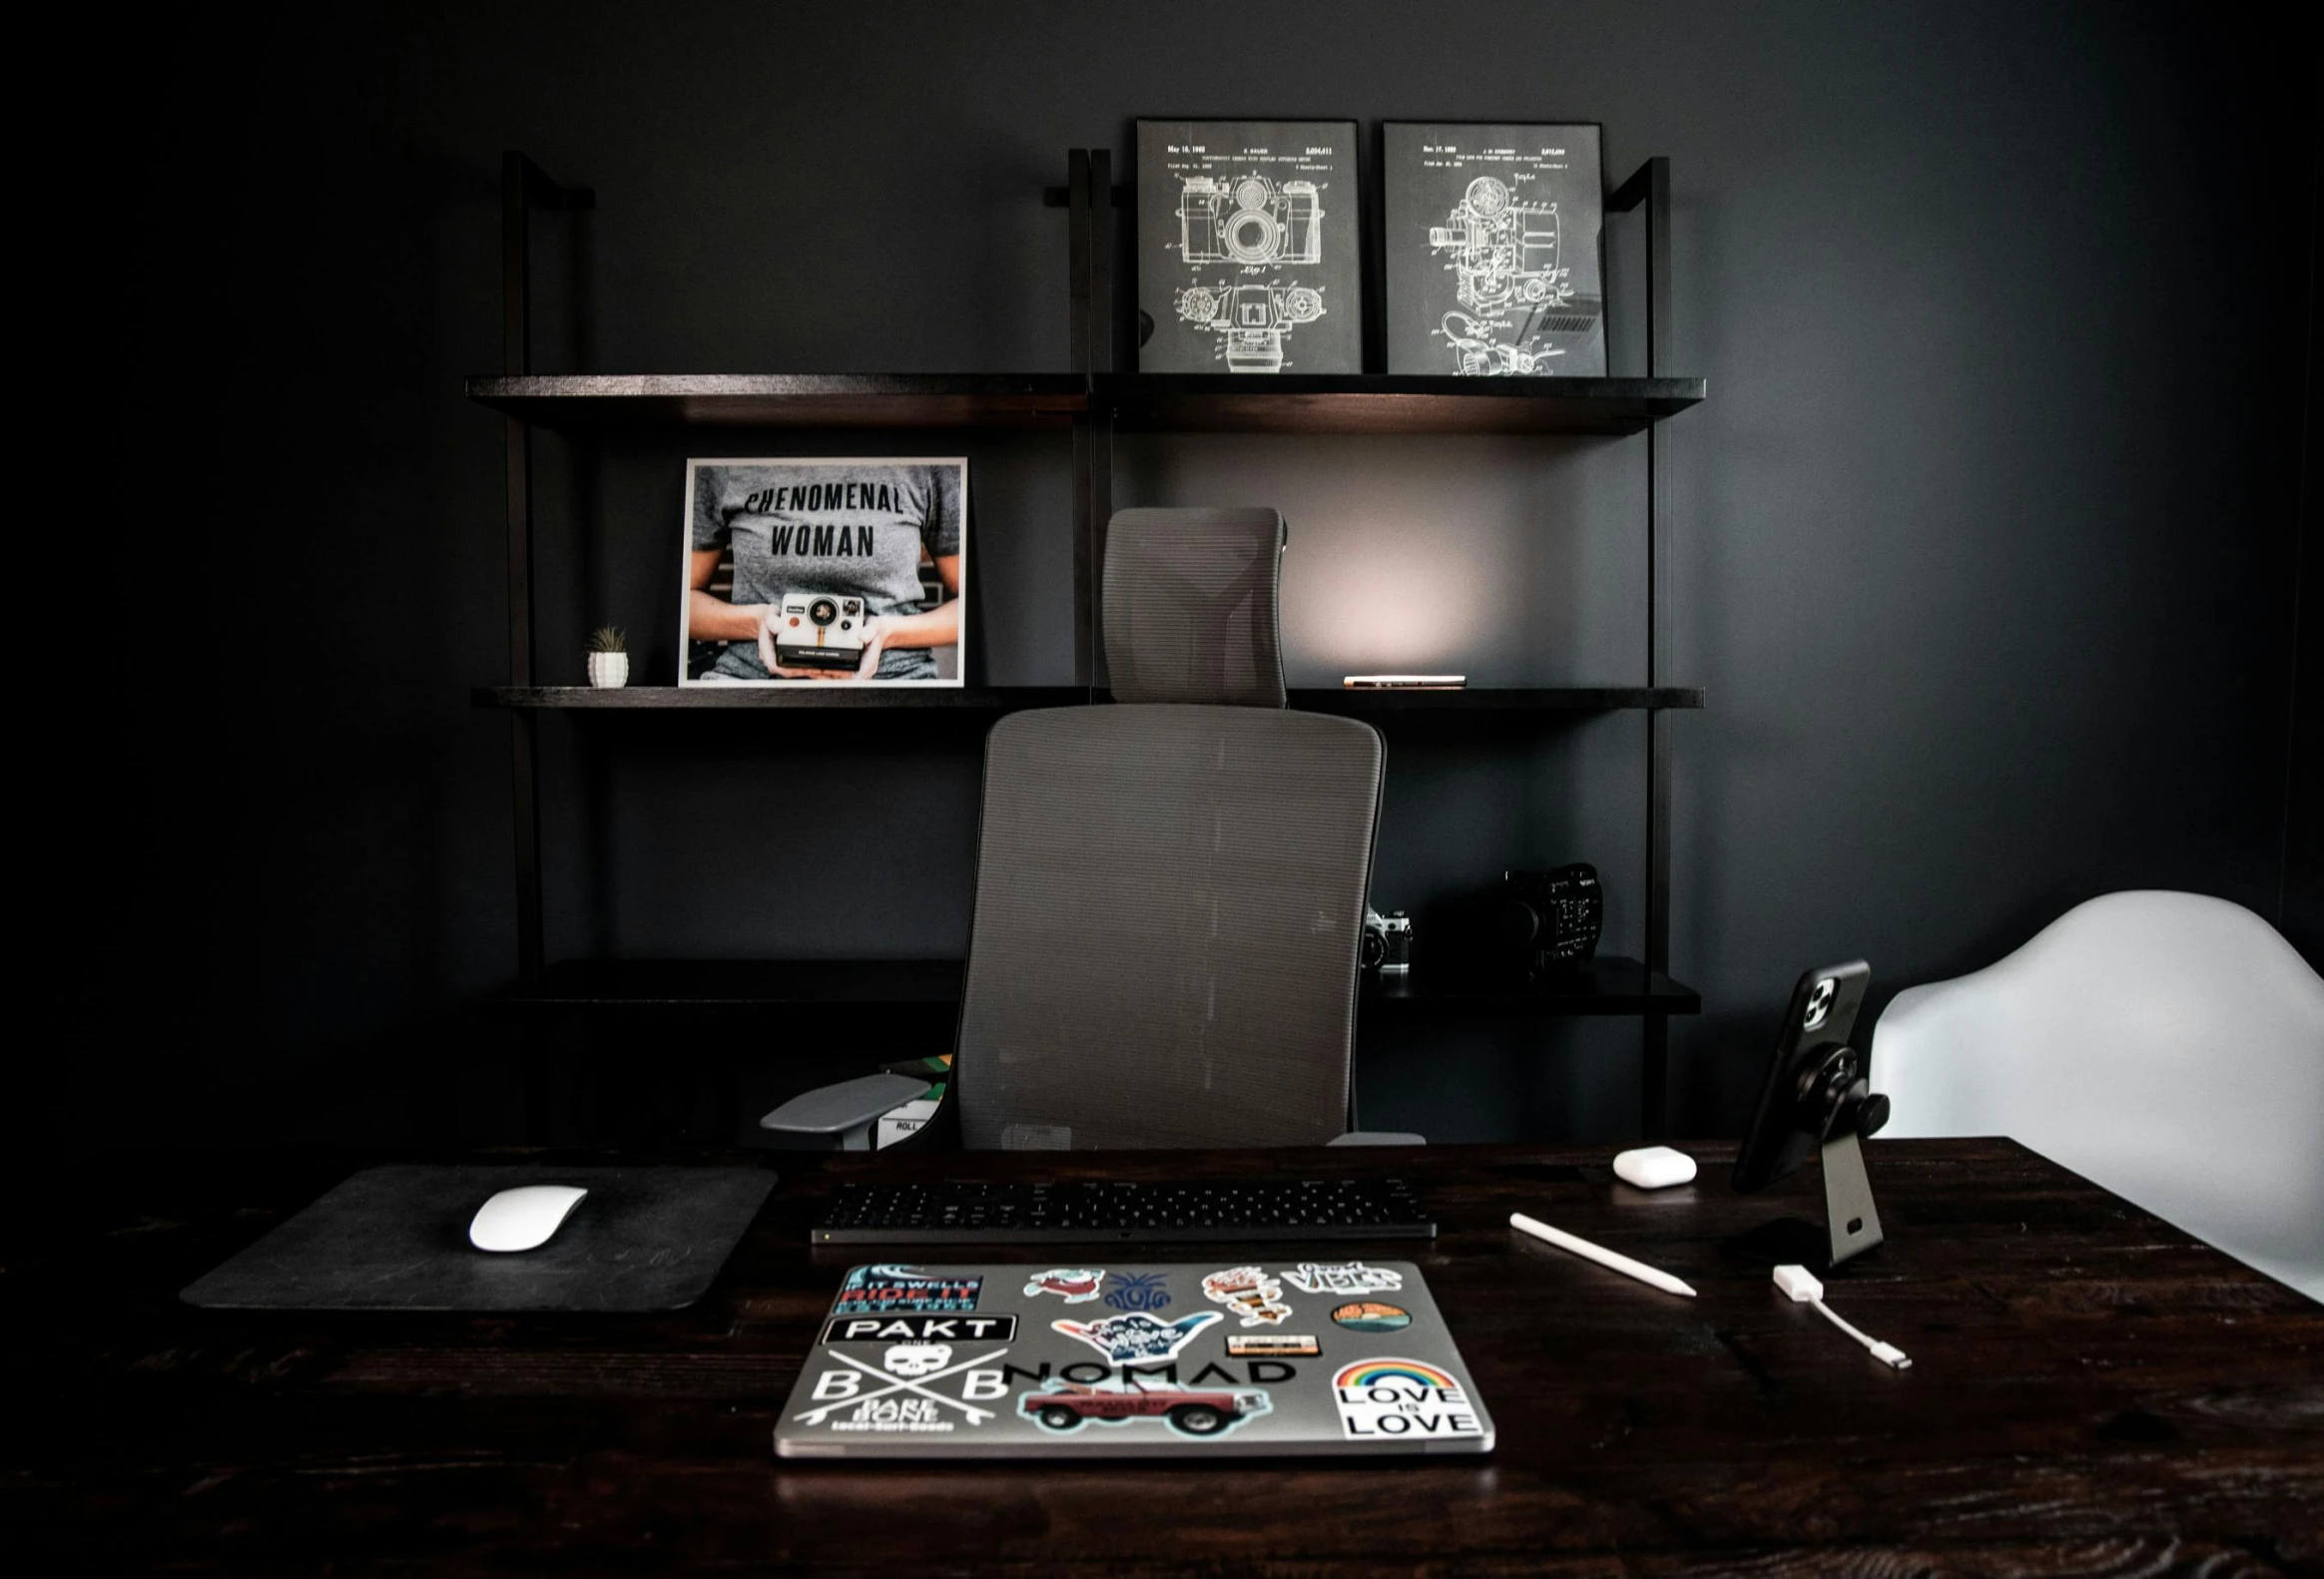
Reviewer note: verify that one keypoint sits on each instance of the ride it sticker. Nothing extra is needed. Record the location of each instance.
(1137, 1291)
(1370, 1315)
(1250, 1292)
(920, 1328)
(1401, 1401)
(913, 1388)
(1065, 1407)
(1272, 1345)
(876, 1290)
(1138, 1337)
(1351, 1277)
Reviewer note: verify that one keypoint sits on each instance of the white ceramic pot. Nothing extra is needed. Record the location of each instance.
(609, 671)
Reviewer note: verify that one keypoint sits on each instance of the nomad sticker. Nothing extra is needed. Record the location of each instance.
(1370, 1315)
(920, 1328)
(1351, 1277)
(1078, 1285)
(906, 1390)
(1248, 1291)
(1064, 1405)
(1272, 1345)
(1137, 1291)
(1401, 1401)
(1138, 1337)
(874, 1290)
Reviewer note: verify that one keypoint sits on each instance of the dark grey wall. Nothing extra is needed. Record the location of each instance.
(1983, 543)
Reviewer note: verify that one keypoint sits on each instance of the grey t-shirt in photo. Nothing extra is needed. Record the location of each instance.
(851, 531)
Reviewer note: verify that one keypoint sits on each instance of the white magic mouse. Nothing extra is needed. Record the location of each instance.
(524, 1217)
(1655, 1168)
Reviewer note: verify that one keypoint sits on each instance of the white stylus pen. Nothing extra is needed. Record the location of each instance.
(1599, 1253)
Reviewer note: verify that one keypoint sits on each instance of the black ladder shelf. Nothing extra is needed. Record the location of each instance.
(1091, 402)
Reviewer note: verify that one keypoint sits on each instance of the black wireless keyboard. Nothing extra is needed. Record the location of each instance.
(1183, 1213)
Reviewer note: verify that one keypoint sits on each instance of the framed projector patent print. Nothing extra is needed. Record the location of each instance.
(1249, 252)
(806, 572)
(1494, 258)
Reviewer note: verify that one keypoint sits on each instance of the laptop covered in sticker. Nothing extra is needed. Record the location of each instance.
(1147, 1359)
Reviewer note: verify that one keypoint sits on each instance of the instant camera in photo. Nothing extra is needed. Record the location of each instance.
(1248, 254)
(1494, 260)
(812, 571)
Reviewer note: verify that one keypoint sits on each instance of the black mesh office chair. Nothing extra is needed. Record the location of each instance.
(1169, 890)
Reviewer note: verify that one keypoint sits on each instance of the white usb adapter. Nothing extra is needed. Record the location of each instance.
(1801, 1285)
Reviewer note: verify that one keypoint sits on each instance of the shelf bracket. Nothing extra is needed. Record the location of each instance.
(1649, 188)
(524, 187)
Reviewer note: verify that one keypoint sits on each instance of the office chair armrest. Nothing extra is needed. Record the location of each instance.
(841, 1117)
(1379, 1138)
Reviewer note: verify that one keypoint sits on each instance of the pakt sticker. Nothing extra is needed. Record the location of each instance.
(1272, 1345)
(1348, 1277)
(1250, 1292)
(1137, 1291)
(1065, 1407)
(1137, 1336)
(874, 1290)
(920, 1328)
(914, 1387)
(1401, 1401)
(1077, 1286)
(1370, 1315)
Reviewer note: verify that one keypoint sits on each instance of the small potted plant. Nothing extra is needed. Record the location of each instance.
(608, 658)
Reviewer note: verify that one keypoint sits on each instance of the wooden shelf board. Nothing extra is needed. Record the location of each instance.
(1495, 699)
(1246, 403)
(820, 697)
(822, 400)
(1184, 402)
(1611, 985)
(1002, 699)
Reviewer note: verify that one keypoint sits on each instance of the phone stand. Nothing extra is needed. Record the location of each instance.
(1839, 1108)
(1851, 1220)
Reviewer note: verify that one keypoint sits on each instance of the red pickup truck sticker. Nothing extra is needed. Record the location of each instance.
(1197, 1412)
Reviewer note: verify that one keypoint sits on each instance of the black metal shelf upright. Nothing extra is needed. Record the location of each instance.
(1094, 402)
(1371, 405)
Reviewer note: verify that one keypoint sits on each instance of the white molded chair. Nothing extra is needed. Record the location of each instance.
(2167, 1046)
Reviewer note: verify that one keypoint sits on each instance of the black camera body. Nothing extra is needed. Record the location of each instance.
(1549, 920)
(1387, 942)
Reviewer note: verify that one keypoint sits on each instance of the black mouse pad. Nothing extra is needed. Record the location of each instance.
(397, 1239)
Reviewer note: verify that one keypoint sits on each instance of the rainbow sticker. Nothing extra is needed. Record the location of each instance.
(1380, 1373)
(1402, 1401)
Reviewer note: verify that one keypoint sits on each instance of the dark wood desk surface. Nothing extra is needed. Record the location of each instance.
(2092, 1393)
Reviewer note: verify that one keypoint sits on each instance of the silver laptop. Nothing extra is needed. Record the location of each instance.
(1133, 1360)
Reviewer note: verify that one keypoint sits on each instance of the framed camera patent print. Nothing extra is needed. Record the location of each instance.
(806, 572)
(1495, 256)
(1249, 252)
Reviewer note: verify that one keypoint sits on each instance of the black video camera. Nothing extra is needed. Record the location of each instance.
(1549, 920)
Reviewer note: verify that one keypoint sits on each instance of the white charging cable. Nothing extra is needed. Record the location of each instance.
(1802, 1286)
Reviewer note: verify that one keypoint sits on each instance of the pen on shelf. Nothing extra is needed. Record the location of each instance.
(1599, 1253)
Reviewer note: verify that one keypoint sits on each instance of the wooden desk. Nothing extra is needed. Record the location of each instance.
(2092, 1393)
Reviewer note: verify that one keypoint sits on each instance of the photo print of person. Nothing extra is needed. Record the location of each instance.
(801, 572)
(1494, 260)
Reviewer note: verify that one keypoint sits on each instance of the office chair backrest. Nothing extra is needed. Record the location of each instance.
(2167, 1046)
(1170, 890)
